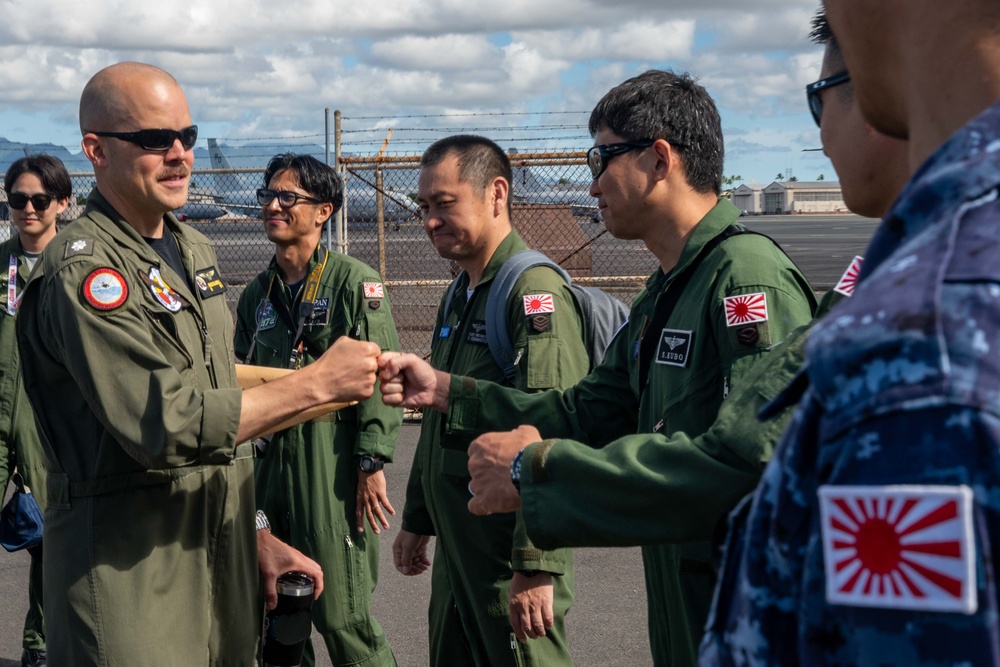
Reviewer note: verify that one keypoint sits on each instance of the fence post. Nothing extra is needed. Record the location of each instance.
(331, 221)
(342, 218)
(380, 217)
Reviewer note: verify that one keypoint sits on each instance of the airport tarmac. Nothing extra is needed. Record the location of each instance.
(607, 624)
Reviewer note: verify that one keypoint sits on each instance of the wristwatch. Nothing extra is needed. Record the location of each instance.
(368, 463)
(262, 522)
(515, 470)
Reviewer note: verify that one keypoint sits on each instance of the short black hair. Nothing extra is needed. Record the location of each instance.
(661, 104)
(320, 180)
(49, 170)
(479, 160)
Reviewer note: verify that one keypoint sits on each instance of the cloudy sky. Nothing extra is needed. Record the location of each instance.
(525, 72)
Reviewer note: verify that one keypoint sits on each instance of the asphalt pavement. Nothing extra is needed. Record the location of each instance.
(606, 626)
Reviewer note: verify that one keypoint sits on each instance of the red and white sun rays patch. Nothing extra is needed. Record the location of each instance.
(850, 278)
(538, 303)
(374, 291)
(899, 547)
(745, 308)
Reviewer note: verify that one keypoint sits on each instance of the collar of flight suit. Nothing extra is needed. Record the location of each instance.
(511, 244)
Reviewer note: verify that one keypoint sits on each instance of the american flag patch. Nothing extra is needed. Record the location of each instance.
(538, 303)
(899, 547)
(850, 278)
(745, 308)
(374, 291)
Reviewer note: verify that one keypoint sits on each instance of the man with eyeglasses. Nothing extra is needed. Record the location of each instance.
(323, 479)
(691, 336)
(872, 536)
(125, 340)
(38, 190)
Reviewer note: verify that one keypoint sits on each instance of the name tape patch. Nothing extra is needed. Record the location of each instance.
(674, 348)
(899, 547)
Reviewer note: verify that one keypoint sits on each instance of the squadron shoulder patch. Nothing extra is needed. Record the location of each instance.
(850, 278)
(164, 294)
(78, 247)
(104, 289)
(899, 547)
(374, 290)
(538, 303)
(265, 316)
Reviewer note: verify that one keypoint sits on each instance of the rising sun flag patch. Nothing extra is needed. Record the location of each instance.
(899, 547)
(850, 278)
(745, 308)
(538, 303)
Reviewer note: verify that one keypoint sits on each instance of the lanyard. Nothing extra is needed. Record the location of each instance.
(12, 297)
(306, 306)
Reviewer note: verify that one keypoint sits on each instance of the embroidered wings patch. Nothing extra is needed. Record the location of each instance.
(899, 547)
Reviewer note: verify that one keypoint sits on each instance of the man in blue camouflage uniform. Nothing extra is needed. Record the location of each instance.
(869, 538)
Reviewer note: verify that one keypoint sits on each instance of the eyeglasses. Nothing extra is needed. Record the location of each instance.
(157, 140)
(286, 198)
(813, 93)
(18, 200)
(599, 156)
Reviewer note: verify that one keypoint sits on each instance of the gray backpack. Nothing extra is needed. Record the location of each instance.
(603, 314)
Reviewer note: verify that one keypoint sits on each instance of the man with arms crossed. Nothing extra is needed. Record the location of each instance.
(464, 194)
(320, 480)
(128, 364)
(657, 170)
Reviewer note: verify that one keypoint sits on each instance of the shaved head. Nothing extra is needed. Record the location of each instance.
(108, 99)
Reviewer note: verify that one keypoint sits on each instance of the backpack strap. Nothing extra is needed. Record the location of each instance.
(668, 301)
(497, 331)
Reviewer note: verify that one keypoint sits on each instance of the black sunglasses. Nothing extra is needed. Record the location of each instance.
(286, 198)
(813, 93)
(18, 200)
(157, 140)
(599, 156)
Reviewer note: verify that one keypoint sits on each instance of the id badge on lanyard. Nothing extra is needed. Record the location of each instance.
(12, 297)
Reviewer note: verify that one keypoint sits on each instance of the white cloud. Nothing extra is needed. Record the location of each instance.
(633, 40)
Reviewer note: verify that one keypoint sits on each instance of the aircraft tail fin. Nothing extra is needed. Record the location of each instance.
(223, 182)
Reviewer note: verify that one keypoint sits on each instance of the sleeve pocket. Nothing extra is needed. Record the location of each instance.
(541, 357)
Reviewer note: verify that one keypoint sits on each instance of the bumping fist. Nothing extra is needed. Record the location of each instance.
(348, 369)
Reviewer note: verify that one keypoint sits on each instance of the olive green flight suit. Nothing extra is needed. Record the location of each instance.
(698, 358)
(17, 431)
(474, 557)
(307, 482)
(149, 529)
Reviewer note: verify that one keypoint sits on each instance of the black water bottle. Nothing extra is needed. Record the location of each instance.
(289, 624)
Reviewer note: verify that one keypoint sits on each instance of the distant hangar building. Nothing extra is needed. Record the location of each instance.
(790, 197)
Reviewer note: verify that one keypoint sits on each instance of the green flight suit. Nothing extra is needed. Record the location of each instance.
(475, 557)
(698, 358)
(149, 528)
(17, 430)
(667, 499)
(307, 481)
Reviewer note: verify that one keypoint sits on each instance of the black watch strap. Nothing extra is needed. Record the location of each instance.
(368, 463)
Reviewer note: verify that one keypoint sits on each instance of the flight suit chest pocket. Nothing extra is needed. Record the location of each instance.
(170, 338)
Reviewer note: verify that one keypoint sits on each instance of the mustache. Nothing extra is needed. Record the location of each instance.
(171, 173)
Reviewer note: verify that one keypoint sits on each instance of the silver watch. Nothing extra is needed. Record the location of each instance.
(262, 522)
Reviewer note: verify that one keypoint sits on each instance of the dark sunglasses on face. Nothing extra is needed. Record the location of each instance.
(286, 198)
(813, 93)
(598, 157)
(18, 201)
(157, 140)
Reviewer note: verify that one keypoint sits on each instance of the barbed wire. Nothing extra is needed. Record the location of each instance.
(466, 115)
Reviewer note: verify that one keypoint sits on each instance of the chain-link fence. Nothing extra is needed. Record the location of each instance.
(552, 211)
